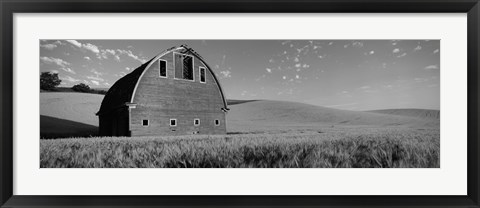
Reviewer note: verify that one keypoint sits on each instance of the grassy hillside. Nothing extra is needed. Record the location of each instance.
(278, 114)
(69, 114)
(418, 113)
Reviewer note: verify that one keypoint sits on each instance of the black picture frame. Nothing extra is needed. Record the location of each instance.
(10, 7)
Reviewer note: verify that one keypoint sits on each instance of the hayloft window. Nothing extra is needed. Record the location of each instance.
(162, 68)
(173, 122)
(217, 122)
(202, 75)
(196, 122)
(144, 122)
(183, 66)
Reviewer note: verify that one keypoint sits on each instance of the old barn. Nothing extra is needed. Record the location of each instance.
(174, 93)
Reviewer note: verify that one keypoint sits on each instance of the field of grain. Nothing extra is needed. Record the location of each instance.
(261, 134)
(362, 148)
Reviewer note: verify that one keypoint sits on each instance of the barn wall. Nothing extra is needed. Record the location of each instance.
(161, 99)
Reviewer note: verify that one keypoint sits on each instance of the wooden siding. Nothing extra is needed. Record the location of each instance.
(160, 99)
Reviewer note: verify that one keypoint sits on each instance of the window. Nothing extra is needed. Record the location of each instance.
(183, 66)
(173, 122)
(217, 122)
(162, 68)
(144, 122)
(196, 122)
(202, 75)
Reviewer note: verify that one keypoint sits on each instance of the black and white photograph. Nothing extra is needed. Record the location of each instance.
(221, 103)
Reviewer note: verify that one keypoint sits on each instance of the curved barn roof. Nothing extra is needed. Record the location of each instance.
(123, 91)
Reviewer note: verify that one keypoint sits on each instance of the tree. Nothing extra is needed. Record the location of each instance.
(81, 88)
(48, 80)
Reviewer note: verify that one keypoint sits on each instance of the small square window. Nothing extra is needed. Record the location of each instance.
(196, 122)
(217, 122)
(173, 122)
(145, 122)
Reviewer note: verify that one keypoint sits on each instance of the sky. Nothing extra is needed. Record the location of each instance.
(344, 74)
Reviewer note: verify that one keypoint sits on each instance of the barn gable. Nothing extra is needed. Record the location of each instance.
(123, 91)
(184, 50)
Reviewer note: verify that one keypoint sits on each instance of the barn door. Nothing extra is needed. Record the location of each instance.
(122, 126)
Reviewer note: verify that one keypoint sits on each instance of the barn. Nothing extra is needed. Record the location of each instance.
(174, 93)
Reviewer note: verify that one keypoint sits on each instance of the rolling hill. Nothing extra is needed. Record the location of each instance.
(283, 113)
(73, 114)
(68, 114)
(418, 113)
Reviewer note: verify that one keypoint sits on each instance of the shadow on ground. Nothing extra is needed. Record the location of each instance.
(51, 128)
(235, 102)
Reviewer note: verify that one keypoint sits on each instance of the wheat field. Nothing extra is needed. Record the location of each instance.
(359, 148)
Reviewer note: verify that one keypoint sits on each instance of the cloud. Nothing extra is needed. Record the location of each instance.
(85, 46)
(49, 46)
(365, 87)
(56, 61)
(128, 68)
(417, 48)
(284, 77)
(95, 82)
(130, 54)
(95, 78)
(371, 52)
(431, 67)
(104, 54)
(296, 59)
(75, 43)
(226, 74)
(54, 71)
(402, 55)
(269, 70)
(69, 70)
(91, 47)
(96, 72)
(357, 44)
(298, 65)
(436, 51)
(396, 50)
(59, 62)
(69, 79)
(87, 58)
